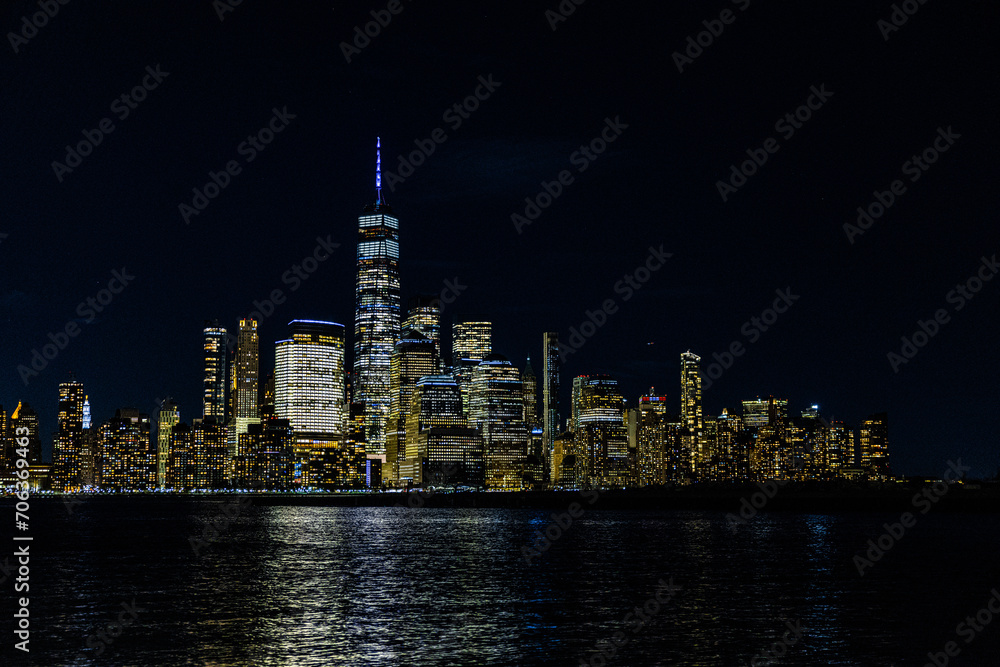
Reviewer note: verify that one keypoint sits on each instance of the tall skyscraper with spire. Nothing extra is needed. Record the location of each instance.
(377, 311)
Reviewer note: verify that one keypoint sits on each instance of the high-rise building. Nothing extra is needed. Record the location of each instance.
(69, 443)
(649, 434)
(496, 408)
(530, 384)
(377, 310)
(128, 461)
(471, 342)
(214, 394)
(424, 317)
(168, 416)
(691, 408)
(309, 387)
(873, 445)
(550, 397)
(246, 376)
(574, 402)
(266, 463)
(25, 417)
(441, 448)
(7, 458)
(601, 435)
(414, 357)
(181, 468)
(213, 465)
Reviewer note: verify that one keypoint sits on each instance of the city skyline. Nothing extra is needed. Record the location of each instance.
(783, 230)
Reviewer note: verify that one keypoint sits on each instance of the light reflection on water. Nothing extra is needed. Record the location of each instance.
(398, 586)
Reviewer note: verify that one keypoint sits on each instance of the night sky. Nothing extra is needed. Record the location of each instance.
(655, 184)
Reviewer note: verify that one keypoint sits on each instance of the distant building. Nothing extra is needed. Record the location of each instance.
(496, 408)
(168, 416)
(67, 461)
(873, 445)
(214, 393)
(415, 356)
(551, 363)
(128, 462)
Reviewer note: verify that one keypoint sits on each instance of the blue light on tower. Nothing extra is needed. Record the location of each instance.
(86, 413)
(378, 167)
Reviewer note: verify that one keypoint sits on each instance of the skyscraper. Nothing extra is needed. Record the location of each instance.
(530, 384)
(691, 410)
(550, 396)
(601, 436)
(471, 342)
(377, 310)
(873, 444)
(69, 444)
(496, 408)
(309, 387)
(424, 317)
(129, 462)
(441, 448)
(24, 416)
(214, 402)
(168, 416)
(414, 357)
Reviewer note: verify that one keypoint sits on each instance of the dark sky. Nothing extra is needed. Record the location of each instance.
(655, 184)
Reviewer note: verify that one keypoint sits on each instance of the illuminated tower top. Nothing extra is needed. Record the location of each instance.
(378, 171)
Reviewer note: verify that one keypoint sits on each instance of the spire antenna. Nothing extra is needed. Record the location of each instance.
(378, 170)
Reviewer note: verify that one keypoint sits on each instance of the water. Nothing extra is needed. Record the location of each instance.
(397, 586)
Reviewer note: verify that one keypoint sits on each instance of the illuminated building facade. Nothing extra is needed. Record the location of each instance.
(309, 385)
(377, 311)
(69, 443)
(424, 317)
(601, 436)
(441, 448)
(550, 396)
(691, 408)
(127, 460)
(168, 417)
(25, 417)
(214, 393)
(496, 408)
(414, 357)
(873, 445)
(471, 342)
